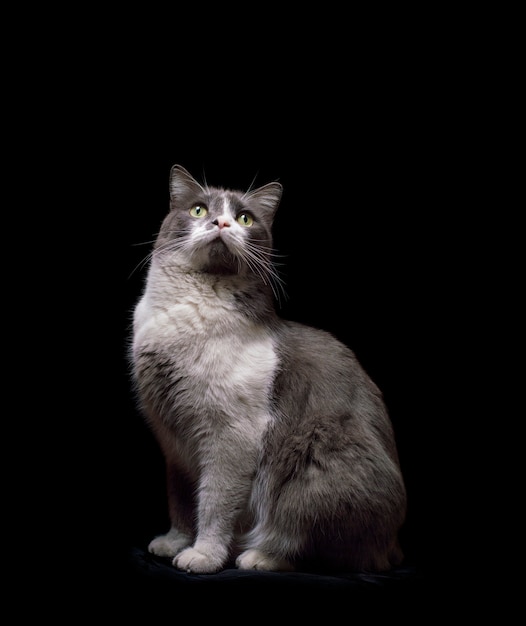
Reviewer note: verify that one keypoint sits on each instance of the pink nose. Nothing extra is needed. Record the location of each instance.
(222, 222)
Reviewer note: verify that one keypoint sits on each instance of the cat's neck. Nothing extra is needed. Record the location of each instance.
(173, 285)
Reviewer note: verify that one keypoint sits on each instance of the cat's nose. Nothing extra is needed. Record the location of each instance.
(221, 222)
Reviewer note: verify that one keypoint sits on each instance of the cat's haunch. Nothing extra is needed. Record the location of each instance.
(279, 450)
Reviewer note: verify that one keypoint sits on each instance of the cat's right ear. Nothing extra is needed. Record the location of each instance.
(268, 197)
(182, 183)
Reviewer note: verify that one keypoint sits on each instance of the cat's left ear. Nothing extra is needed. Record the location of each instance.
(267, 197)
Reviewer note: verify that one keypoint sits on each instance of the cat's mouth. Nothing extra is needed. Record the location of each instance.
(218, 246)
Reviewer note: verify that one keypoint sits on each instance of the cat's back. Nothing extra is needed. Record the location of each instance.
(320, 377)
(315, 351)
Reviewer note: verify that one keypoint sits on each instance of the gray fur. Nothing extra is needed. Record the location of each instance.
(279, 450)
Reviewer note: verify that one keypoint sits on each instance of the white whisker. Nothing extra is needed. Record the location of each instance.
(259, 261)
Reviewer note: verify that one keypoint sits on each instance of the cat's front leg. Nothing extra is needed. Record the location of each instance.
(170, 544)
(257, 559)
(204, 557)
(180, 534)
(217, 516)
(223, 495)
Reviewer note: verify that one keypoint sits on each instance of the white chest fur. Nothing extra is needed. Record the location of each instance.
(227, 361)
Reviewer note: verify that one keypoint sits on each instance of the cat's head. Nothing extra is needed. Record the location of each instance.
(218, 230)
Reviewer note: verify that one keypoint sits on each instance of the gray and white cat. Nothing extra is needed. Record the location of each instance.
(279, 451)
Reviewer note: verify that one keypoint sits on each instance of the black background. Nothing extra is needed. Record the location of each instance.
(387, 131)
(360, 227)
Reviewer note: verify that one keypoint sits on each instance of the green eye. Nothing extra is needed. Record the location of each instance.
(198, 210)
(245, 219)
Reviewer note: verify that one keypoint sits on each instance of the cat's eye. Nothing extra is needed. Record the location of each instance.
(198, 210)
(245, 219)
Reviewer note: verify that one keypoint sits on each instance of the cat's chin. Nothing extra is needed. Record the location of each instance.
(220, 259)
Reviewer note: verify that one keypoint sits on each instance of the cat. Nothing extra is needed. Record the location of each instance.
(280, 454)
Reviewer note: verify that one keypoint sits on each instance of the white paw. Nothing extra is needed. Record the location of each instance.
(255, 559)
(169, 545)
(195, 562)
